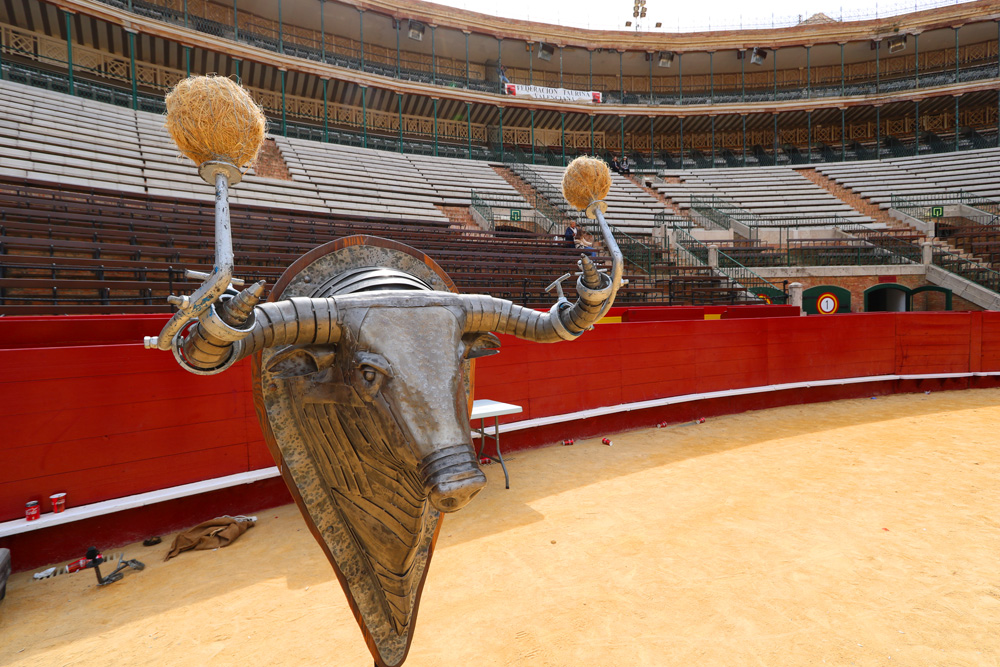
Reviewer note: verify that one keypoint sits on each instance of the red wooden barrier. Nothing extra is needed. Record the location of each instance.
(91, 413)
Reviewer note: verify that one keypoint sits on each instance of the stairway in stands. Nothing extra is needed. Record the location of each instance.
(676, 277)
(895, 228)
(666, 201)
(459, 216)
(270, 163)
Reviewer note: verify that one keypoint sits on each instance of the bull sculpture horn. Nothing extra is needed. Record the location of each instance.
(210, 347)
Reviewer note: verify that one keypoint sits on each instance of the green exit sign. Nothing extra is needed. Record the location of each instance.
(937, 211)
(515, 214)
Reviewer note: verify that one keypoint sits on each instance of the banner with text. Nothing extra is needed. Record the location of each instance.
(561, 94)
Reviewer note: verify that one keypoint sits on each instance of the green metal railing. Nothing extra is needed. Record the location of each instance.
(662, 219)
(723, 214)
(972, 271)
(922, 206)
(898, 250)
(735, 272)
(479, 205)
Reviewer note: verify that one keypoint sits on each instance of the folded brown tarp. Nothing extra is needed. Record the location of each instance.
(219, 532)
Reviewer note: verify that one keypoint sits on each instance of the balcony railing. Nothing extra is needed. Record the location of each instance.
(305, 44)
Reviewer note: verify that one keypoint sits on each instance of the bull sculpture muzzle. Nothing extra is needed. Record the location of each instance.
(360, 358)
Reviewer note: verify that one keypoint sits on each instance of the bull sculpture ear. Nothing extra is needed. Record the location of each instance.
(300, 360)
(480, 345)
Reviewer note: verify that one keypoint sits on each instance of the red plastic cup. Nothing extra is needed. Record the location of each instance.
(32, 510)
(58, 502)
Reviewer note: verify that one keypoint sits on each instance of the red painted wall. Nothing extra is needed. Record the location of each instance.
(90, 412)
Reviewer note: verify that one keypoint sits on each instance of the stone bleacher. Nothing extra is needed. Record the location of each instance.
(974, 172)
(131, 151)
(630, 208)
(778, 195)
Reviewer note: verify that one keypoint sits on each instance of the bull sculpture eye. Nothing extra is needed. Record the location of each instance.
(371, 371)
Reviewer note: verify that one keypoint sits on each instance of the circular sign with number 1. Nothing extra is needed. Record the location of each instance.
(827, 303)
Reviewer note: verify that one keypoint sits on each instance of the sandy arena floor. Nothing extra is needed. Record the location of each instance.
(860, 532)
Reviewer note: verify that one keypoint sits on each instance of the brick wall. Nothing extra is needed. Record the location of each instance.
(856, 285)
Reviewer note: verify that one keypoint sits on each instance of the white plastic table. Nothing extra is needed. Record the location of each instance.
(482, 410)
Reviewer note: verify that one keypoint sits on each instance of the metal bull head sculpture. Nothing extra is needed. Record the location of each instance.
(360, 362)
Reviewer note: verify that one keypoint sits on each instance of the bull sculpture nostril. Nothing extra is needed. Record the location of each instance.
(452, 477)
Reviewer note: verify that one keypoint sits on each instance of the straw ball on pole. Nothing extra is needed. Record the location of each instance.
(586, 183)
(212, 118)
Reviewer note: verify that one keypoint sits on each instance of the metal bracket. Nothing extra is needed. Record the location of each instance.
(557, 286)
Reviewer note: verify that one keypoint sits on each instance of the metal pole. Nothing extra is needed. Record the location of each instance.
(562, 120)
(364, 116)
(468, 125)
(743, 76)
(590, 70)
(956, 53)
(435, 127)
(652, 150)
(711, 75)
(680, 84)
(502, 154)
(397, 49)
(878, 132)
(185, 13)
(774, 73)
(843, 135)
(560, 67)
(187, 60)
(809, 136)
(131, 55)
(399, 101)
(916, 59)
(878, 66)
(1, 63)
(744, 140)
(433, 54)
(236, 62)
(682, 142)
(621, 78)
(531, 68)
(236, 22)
(713, 142)
(621, 124)
(916, 127)
(284, 113)
(326, 115)
(322, 31)
(361, 35)
(69, 51)
(281, 31)
(532, 136)
(774, 138)
(651, 56)
(808, 72)
(841, 69)
(593, 146)
(956, 120)
(466, 58)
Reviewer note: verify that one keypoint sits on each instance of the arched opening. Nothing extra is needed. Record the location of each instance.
(930, 297)
(890, 298)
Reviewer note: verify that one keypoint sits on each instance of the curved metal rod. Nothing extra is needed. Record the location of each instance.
(193, 306)
(617, 261)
